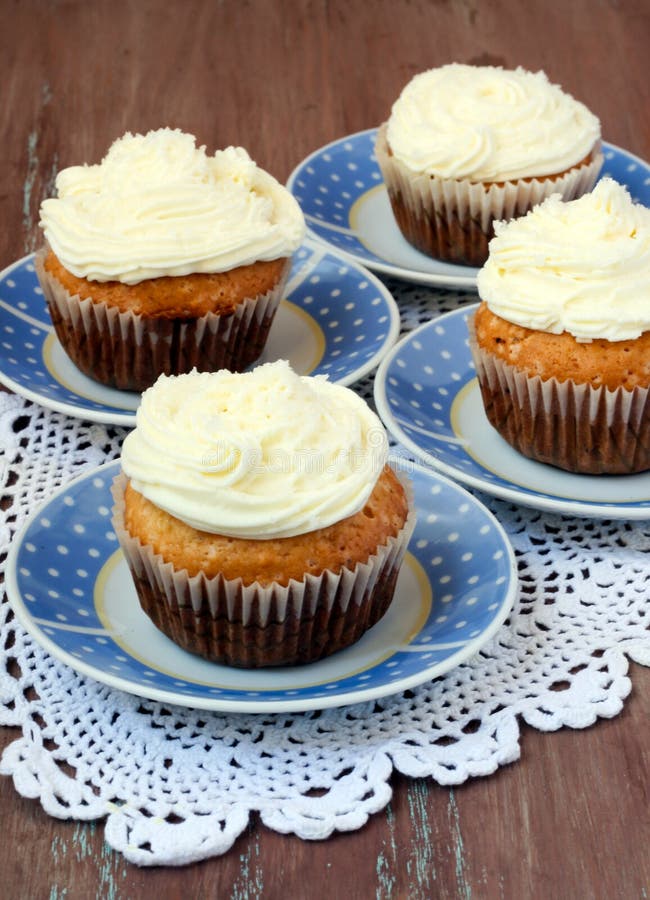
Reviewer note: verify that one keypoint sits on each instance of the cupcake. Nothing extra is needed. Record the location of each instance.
(561, 339)
(257, 513)
(467, 145)
(162, 259)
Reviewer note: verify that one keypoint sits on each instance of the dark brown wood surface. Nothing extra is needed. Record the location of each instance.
(571, 818)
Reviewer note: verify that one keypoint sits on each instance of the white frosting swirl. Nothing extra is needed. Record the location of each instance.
(264, 454)
(581, 266)
(486, 123)
(158, 205)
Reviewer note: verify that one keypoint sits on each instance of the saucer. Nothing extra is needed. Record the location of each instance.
(70, 588)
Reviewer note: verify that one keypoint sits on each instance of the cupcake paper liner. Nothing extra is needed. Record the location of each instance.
(452, 220)
(251, 626)
(129, 351)
(583, 429)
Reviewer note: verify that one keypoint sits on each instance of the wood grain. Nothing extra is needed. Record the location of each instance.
(571, 819)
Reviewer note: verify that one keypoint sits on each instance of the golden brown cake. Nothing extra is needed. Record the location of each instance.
(126, 335)
(561, 341)
(279, 560)
(599, 362)
(181, 296)
(291, 559)
(162, 259)
(467, 145)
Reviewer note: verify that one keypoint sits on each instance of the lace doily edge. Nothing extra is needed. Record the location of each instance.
(149, 841)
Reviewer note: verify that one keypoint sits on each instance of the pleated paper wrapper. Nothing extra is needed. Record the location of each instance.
(583, 429)
(129, 351)
(252, 626)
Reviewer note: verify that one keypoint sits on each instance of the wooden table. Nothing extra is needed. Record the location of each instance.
(571, 819)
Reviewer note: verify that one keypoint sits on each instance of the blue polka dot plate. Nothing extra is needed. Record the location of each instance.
(427, 395)
(69, 586)
(336, 319)
(343, 197)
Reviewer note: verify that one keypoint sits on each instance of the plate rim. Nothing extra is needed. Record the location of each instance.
(121, 418)
(257, 705)
(413, 275)
(534, 500)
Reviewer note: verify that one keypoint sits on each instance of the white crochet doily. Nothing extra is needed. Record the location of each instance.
(176, 785)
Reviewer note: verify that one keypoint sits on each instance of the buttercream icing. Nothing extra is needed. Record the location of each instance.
(581, 266)
(159, 205)
(264, 454)
(485, 123)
